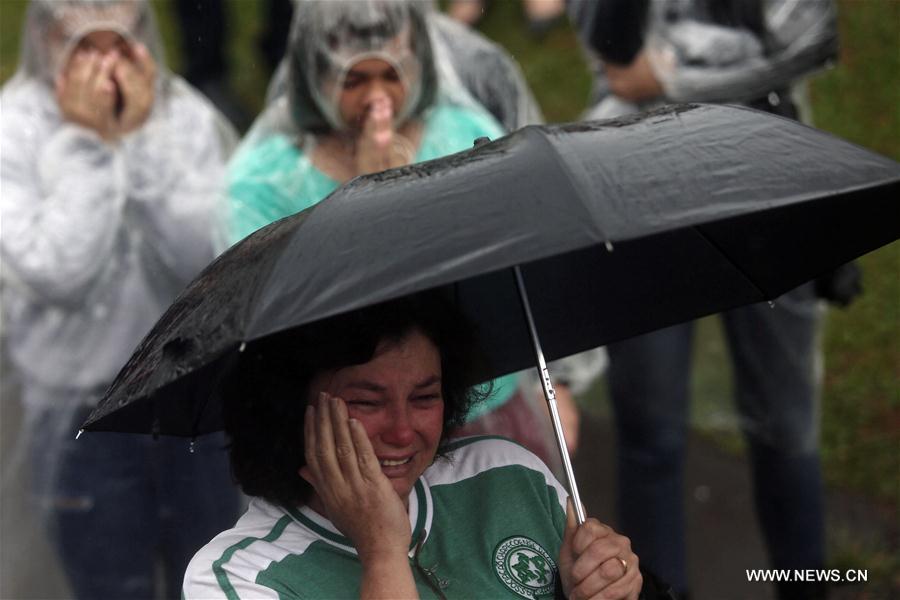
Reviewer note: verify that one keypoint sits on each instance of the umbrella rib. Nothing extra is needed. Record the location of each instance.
(264, 278)
(230, 359)
(196, 424)
(573, 181)
(736, 266)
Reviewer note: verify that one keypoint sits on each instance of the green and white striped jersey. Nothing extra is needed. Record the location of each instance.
(487, 522)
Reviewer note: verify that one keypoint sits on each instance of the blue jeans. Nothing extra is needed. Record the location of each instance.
(773, 351)
(118, 505)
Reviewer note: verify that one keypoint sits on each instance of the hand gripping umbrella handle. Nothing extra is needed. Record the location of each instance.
(550, 396)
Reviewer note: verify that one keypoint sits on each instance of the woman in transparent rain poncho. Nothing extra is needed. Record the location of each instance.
(363, 88)
(756, 53)
(111, 168)
(367, 86)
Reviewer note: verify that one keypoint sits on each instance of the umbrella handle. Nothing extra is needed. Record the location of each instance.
(550, 396)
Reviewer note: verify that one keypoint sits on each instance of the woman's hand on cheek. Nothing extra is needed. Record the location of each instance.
(359, 499)
(597, 562)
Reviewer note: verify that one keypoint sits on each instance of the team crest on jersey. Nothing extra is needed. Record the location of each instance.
(525, 567)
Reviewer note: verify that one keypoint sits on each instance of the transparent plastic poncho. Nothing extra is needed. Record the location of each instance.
(97, 237)
(698, 60)
(457, 83)
(695, 59)
(464, 59)
(302, 103)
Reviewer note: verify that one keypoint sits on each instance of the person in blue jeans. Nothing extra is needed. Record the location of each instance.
(119, 505)
(754, 53)
(110, 171)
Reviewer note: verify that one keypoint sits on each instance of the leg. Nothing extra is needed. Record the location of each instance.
(198, 500)
(776, 362)
(101, 513)
(273, 40)
(648, 382)
(203, 33)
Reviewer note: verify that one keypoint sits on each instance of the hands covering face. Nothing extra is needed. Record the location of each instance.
(379, 146)
(597, 562)
(357, 496)
(110, 93)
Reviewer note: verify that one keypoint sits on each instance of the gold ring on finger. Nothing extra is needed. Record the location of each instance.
(624, 564)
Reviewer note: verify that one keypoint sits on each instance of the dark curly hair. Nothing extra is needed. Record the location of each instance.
(265, 396)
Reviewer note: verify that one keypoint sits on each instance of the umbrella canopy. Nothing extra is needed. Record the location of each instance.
(620, 227)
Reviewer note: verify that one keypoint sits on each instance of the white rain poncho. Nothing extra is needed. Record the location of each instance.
(695, 59)
(477, 64)
(97, 238)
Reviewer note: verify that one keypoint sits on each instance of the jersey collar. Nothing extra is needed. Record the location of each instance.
(420, 518)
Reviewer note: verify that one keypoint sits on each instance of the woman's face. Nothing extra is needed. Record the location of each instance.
(80, 28)
(103, 42)
(367, 83)
(397, 398)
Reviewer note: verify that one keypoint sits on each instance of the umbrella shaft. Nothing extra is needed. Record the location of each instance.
(550, 396)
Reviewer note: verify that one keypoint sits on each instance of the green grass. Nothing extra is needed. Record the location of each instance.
(554, 67)
(859, 100)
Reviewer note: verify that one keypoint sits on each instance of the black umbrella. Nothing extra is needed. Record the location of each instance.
(617, 227)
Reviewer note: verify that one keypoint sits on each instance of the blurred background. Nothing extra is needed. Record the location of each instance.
(859, 100)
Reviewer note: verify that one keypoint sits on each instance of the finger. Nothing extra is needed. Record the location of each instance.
(78, 65)
(382, 113)
(380, 123)
(309, 438)
(345, 450)
(92, 67)
(144, 61)
(325, 446)
(566, 557)
(378, 116)
(571, 521)
(369, 467)
(92, 90)
(627, 586)
(126, 75)
(590, 587)
(103, 81)
(306, 473)
(80, 74)
(587, 533)
(602, 557)
(137, 90)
